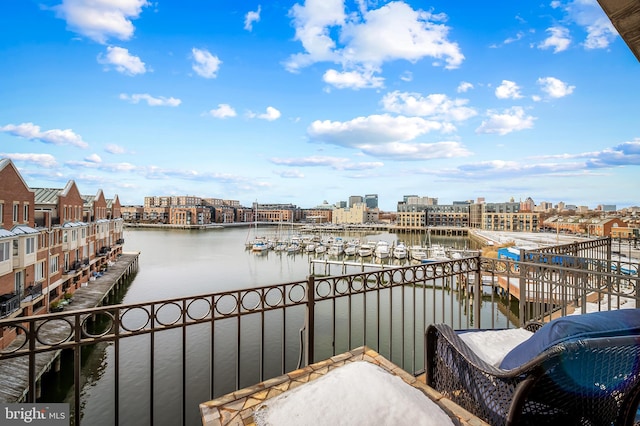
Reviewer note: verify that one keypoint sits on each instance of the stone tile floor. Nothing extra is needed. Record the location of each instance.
(237, 408)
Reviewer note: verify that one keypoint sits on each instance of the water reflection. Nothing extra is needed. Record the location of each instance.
(181, 263)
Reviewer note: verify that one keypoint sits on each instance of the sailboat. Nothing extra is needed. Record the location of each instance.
(257, 243)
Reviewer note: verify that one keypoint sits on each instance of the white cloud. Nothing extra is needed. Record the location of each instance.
(93, 158)
(406, 76)
(590, 16)
(336, 163)
(223, 111)
(205, 64)
(101, 19)
(122, 61)
(464, 87)
(416, 151)
(437, 106)
(270, 115)
(114, 149)
(42, 160)
(554, 87)
(250, 18)
(378, 134)
(396, 31)
(510, 120)
(352, 79)
(290, 174)
(53, 136)
(151, 100)
(508, 90)
(312, 23)
(518, 36)
(367, 39)
(624, 154)
(559, 39)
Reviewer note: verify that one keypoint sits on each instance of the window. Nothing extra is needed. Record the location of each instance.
(53, 264)
(25, 216)
(16, 211)
(40, 271)
(1, 212)
(5, 253)
(19, 283)
(30, 245)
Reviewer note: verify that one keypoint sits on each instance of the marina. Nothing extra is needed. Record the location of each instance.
(259, 316)
(179, 263)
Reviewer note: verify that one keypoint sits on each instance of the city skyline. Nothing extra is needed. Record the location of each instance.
(300, 102)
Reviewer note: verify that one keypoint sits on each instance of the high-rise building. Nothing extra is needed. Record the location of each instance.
(371, 201)
(355, 199)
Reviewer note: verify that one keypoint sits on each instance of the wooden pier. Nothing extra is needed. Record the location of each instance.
(14, 372)
(343, 264)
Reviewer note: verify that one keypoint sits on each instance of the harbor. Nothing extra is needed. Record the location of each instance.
(183, 274)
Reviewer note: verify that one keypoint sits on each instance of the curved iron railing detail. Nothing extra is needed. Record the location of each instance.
(387, 310)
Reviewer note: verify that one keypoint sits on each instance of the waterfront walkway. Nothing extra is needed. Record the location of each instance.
(95, 292)
(14, 372)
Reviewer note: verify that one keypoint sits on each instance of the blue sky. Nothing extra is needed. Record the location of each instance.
(302, 102)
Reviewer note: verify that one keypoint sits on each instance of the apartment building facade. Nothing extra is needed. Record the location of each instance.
(51, 241)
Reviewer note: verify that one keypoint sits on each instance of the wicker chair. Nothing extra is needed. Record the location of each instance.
(584, 381)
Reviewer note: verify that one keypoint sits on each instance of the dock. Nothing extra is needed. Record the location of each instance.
(14, 372)
(343, 264)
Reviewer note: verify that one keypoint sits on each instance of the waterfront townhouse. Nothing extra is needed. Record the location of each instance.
(594, 227)
(18, 244)
(52, 241)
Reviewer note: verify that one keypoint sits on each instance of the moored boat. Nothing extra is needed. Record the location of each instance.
(400, 251)
(418, 253)
(382, 250)
(365, 250)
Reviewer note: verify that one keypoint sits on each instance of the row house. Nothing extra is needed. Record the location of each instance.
(226, 214)
(52, 241)
(594, 227)
(275, 215)
(132, 213)
(189, 215)
(156, 214)
(513, 222)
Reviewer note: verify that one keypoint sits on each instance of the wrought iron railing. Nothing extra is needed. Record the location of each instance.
(32, 292)
(9, 303)
(251, 335)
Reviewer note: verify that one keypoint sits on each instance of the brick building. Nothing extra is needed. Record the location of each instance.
(51, 242)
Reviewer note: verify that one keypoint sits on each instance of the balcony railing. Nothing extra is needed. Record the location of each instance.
(247, 336)
(9, 303)
(32, 292)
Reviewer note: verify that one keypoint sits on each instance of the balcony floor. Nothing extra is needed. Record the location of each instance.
(238, 408)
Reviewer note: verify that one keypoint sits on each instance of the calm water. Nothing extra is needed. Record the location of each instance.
(180, 263)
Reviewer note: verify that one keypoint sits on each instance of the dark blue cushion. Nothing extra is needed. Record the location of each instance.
(597, 324)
